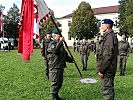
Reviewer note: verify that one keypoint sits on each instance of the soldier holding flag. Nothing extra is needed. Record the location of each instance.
(56, 54)
(57, 57)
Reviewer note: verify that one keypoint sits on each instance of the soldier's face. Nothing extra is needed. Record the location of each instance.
(123, 37)
(57, 37)
(104, 27)
(49, 36)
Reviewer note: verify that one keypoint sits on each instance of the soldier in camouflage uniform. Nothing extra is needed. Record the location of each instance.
(44, 47)
(84, 53)
(78, 45)
(108, 59)
(57, 57)
(124, 48)
(74, 46)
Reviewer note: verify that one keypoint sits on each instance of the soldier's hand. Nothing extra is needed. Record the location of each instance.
(100, 74)
(44, 58)
(41, 46)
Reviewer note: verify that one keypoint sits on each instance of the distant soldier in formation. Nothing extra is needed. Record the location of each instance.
(74, 46)
(124, 48)
(44, 48)
(9, 46)
(57, 57)
(78, 46)
(92, 46)
(84, 52)
(107, 60)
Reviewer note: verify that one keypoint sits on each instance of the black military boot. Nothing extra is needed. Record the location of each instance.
(55, 97)
(83, 69)
(120, 73)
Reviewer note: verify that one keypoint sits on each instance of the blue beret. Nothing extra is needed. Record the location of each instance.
(55, 31)
(107, 21)
(49, 32)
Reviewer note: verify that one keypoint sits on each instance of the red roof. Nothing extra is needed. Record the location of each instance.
(105, 10)
(101, 10)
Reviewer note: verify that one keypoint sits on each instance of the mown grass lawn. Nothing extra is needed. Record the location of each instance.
(21, 80)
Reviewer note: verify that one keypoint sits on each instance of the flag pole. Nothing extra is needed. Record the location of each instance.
(66, 45)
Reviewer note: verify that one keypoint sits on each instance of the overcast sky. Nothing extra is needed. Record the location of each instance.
(62, 7)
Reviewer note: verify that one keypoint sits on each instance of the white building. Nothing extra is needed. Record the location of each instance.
(110, 12)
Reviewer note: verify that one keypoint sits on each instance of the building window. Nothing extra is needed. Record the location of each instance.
(69, 23)
(69, 36)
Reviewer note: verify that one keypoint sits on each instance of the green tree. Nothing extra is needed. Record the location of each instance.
(129, 17)
(122, 17)
(11, 23)
(126, 16)
(84, 23)
(48, 25)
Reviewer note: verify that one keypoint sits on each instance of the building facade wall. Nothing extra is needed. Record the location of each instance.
(65, 28)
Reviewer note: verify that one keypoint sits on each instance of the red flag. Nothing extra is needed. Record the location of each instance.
(0, 22)
(33, 13)
(26, 25)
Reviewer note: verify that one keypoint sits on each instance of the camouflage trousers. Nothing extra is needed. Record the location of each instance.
(122, 64)
(84, 59)
(107, 85)
(56, 78)
(46, 69)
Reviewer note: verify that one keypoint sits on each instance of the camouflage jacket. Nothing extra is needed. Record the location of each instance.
(57, 55)
(85, 48)
(44, 47)
(108, 55)
(123, 48)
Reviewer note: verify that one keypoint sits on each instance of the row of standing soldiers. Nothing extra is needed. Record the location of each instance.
(123, 52)
(84, 48)
(55, 58)
(76, 45)
(106, 52)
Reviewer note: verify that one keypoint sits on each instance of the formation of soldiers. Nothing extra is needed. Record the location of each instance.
(124, 49)
(106, 49)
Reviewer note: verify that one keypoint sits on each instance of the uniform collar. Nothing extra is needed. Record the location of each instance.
(106, 33)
